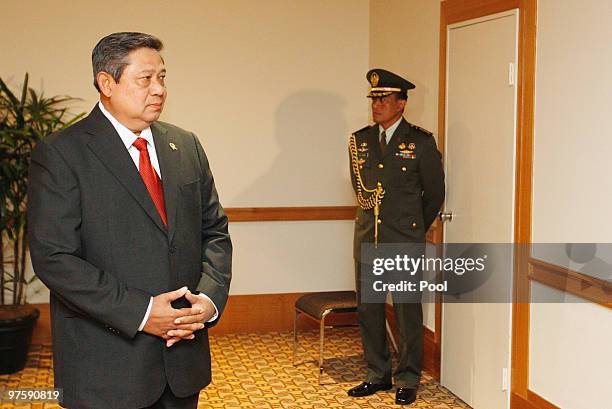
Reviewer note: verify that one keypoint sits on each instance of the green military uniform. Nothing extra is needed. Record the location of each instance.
(411, 174)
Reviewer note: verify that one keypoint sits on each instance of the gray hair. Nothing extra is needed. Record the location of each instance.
(110, 54)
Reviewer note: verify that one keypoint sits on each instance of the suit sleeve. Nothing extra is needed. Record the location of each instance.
(432, 181)
(216, 242)
(54, 228)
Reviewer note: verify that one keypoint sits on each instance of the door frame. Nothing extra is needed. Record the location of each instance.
(456, 11)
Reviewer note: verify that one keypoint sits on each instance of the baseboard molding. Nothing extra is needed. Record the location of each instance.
(533, 401)
(431, 362)
(268, 312)
(539, 401)
(42, 329)
(518, 402)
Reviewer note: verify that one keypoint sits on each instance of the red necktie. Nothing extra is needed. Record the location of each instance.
(150, 178)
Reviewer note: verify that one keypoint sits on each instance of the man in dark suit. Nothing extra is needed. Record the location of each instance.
(126, 230)
(398, 178)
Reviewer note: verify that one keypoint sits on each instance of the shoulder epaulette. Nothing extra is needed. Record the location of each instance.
(418, 128)
(362, 129)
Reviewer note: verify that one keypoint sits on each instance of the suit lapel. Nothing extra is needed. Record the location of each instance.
(169, 160)
(108, 147)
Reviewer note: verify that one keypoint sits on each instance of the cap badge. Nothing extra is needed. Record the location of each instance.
(374, 78)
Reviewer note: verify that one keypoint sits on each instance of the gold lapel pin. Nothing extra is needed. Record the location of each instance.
(172, 146)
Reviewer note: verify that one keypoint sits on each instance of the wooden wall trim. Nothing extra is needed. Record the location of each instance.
(539, 402)
(573, 282)
(533, 401)
(42, 329)
(518, 402)
(523, 194)
(267, 214)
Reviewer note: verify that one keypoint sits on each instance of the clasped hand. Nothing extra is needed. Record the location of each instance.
(174, 325)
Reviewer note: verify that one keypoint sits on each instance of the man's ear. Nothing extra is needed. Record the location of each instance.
(402, 103)
(106, 83)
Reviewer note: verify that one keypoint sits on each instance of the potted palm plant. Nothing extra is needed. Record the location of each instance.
(25, 118)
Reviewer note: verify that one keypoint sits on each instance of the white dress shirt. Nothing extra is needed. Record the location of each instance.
(128, 138)
(389, 131)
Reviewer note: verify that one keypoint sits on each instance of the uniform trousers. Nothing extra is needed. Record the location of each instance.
(372, 325)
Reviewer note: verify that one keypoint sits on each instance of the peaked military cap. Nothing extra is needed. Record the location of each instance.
(385, 82)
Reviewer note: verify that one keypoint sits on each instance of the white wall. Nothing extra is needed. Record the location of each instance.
(570, 357)
(273, 89)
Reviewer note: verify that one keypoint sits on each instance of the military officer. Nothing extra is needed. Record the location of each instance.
(398, 178)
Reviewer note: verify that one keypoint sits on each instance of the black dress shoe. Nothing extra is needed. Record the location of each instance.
(367, 389)
(405, 396)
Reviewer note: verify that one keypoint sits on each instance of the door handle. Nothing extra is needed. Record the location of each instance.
(446, 216)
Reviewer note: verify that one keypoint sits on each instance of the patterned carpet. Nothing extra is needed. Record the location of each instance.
(256, 371)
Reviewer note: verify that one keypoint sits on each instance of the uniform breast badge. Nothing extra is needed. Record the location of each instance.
(406, 153)
(362, 154)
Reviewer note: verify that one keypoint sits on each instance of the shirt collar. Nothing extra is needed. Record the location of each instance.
(127, 137)
(390, 130)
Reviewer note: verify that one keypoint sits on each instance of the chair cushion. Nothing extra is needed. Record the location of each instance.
(316, 303)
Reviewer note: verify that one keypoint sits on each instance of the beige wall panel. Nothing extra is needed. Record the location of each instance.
(404, 38)
(569, 352)
(273, 88)
(569, 345)
(572, 146)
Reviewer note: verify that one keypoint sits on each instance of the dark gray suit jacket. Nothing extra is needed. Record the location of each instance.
(100, 246)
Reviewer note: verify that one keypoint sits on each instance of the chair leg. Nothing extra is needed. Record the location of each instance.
(321, 339)
(295, 335)
(391, 337)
